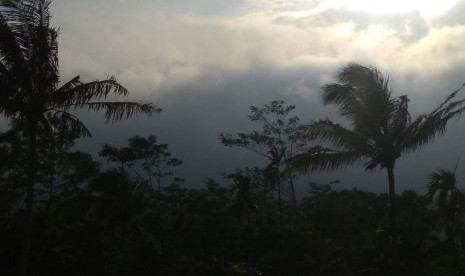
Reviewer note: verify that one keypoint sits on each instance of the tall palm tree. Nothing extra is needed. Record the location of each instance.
(442, 191)
(30, 86)
(381, 127)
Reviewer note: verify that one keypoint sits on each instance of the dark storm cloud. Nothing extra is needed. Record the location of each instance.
(195, 114)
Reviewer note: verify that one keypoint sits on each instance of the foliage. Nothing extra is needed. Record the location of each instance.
(149, 160)
(111, 224)
(381, 129)
(280, 139)
(93, 222)
(60, 169)
(448, 200)
(30, 87)
(249, 193)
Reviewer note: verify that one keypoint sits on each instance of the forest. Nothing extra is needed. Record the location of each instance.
(66, 212)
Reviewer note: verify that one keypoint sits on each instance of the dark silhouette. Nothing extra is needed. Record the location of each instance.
(29, 86)
(443, 193)
(93, 222)
(279, 140)
(147, 159)
(380, 131)
(109, 223)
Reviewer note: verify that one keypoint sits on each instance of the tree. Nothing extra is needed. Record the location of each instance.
(60, 170)
(381, 127)
(248, 192)
(29, 86)
(442, 191)
(145, 154)
(279, 140)
(347, 218)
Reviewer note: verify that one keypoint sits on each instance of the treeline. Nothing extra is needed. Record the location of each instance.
(138, 218)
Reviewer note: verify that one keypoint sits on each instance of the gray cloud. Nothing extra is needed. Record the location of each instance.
(195, 114)
(152, 50)
(206, 64)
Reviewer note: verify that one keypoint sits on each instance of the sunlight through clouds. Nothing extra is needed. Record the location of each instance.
(428, 8)
(277, 5)
(178, 49)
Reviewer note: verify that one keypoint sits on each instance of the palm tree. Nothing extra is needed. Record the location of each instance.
(30, 86)
(381, 127)
(442, 191)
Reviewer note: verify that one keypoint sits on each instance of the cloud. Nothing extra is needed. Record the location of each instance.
(453, 17)
(279, 5)
(206, 67)
(154, 51)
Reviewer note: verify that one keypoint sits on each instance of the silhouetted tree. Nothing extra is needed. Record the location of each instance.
(145, 154)
(249, 192)
(442, 191)
(381, 128)
(349, 219)
(279, 140)
(29, 86)
(60, 170)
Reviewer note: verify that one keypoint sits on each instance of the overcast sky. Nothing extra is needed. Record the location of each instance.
(206, 61)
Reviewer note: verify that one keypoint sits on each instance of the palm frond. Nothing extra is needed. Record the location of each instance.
(355, 74)
(398, 121)
(74, 82)
(75, 92)
(398, 116)
(337, 94)
(23, 17)
(117, 111)
(362, 95)
(10, 49)
(28, 48)
(71, 123)
(427, 127)
(28, 12)
(439, 180)
(449, 98)
(365, 81)
(320, 158)
(443, 192)
(342, 95)
(339, 136)
(43, 61)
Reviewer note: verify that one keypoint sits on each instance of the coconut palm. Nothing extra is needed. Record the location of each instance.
(442, 191)
(30, 85)
(380, 131)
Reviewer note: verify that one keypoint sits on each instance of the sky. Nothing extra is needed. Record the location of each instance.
(205, 62)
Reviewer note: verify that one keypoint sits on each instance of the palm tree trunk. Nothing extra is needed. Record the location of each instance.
(51, 164)
(392, 203)
(31, 171)
(455, 229)
(278, 181)
(294, 200)
(393, 252)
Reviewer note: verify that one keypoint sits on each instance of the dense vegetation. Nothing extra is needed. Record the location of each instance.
(137, 217)
(62, 214)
